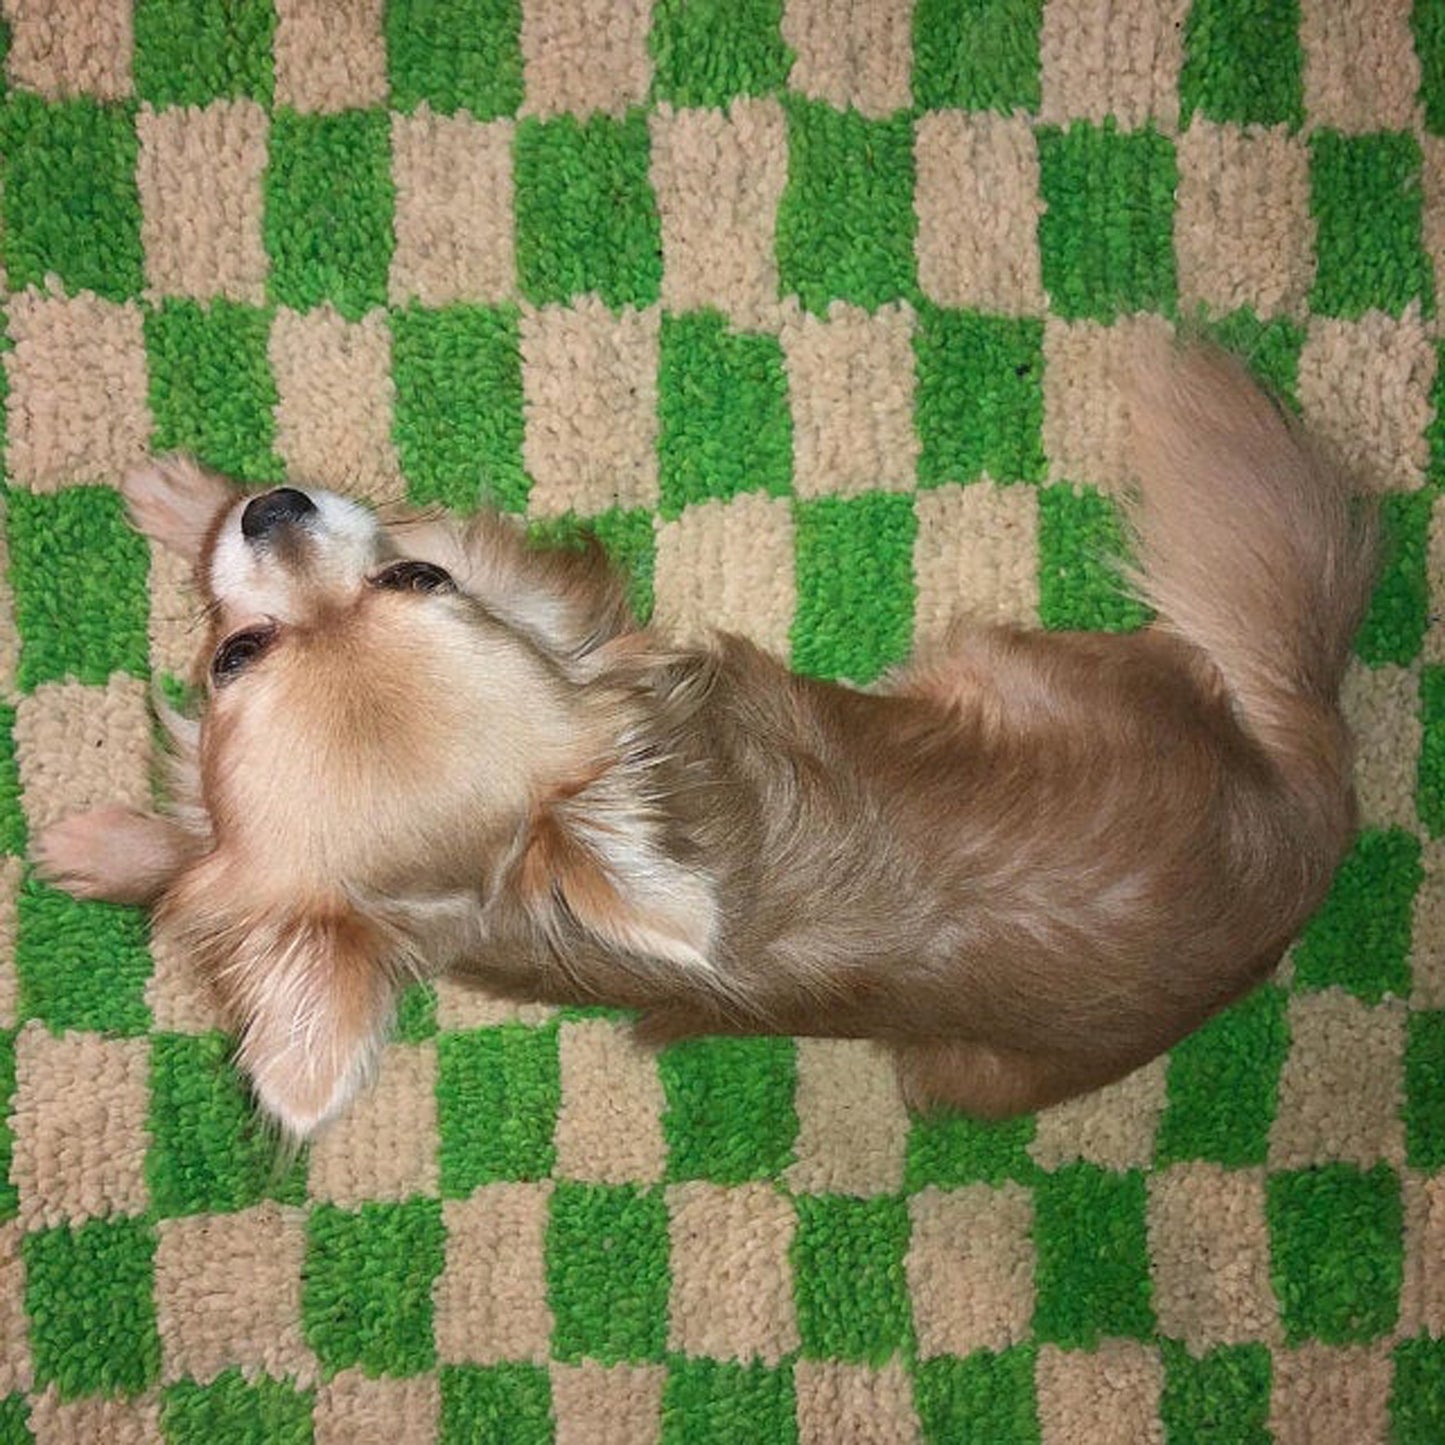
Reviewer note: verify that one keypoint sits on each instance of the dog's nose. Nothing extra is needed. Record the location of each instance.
(275, 509)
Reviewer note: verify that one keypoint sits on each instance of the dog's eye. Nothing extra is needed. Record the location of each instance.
(237, 651)
(412, 576)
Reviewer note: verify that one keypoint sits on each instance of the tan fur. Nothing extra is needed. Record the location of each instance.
(1030, 864)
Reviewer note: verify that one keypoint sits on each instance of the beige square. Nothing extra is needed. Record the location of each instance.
(16, 1371)
(727, 566)
(88, 1420)
(1112, 1127)
(976, 556)
(718, 177)
(1086, 370)
(1364, 386)
(978, 203)
(1432, 221)
(77, 408)
(1322, 1394)
(1108, 1396)
(1243, 231)
(732, 1284)
(353, 1410)
(385, 1145)
(1340, 1089)
(1120, 60)
(463, 1005)
(1427, 956)
(840, 1404)
(850, 386)
(228, 1293)
(330, 54)
(582, 56)
(199, 176)
(178, 997)
(79, 1120)
(1422, 1290)
(852, 1123)
(61, 51)
(1209, 1252)
(1360, 68)
(453, 216)
(609, 1127)
(597, 1405)
(1434, 649)
(856, 53)
(491, 1296)
(11, 871)
(589, 379)
(971, 1268)
(177, 621)
(1383, 706)
(335, 395)
(78, 746)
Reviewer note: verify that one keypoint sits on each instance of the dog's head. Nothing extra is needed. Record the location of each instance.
(408, 733)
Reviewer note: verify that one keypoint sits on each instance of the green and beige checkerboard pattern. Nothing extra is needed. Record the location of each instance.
(814, 309)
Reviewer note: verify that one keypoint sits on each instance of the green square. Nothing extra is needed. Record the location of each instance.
(211, 388)
(329, 198)
(1394, 627)
(12, 815)
(229, 1409)
(80, 575)
(626, 534)
(855, 584)
(82, 965)
(1336, 1252)
(70, 202)
(1222, 1084)
(1271, 349)
(209, 1151)
(977, 54)
(1222, 1395)
(1427, 21)
(723, 416)
(1430, 781)
(367, 1297)
(458, 411)
(949, 1150)
(1106, 238)
(1425, 1090)
(511, 1402)
(586, 216)
(416, 1014)
(455, 55)
(980, 399)
(985, 1396)
(1242, 62)
(846, 223)
(88, 1293)
(189, 52)
(1081, 539)
(497, 1094)
(15, 1409)
(717, 1402)
(1417, 1393)
(1360, 939)
(1366, 198)
(607, 1272)
(849, 1284)
(729, 1114)
(1092, 1277)
(9, 1190)
(706, 52)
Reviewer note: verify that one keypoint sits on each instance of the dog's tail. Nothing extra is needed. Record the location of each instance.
(1251, 548)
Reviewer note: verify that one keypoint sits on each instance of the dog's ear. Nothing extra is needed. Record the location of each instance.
(310, 994)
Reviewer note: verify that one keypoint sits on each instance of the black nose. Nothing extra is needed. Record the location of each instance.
(275, 509)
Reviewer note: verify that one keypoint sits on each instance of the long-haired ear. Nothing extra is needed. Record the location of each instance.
(310, 994)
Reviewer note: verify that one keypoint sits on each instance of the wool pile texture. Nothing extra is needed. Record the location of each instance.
(815, 312)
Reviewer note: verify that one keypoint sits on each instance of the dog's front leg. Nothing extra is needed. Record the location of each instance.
(114, 853)
(175, 501)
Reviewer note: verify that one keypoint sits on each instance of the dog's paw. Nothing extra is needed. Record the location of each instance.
(174, 500)
(111, 852)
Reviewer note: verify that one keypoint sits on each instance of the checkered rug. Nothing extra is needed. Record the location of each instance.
(813, 310)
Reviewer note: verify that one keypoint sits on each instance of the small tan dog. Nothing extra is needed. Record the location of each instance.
(1034, 863)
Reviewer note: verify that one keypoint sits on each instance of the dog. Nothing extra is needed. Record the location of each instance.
(1027, 863)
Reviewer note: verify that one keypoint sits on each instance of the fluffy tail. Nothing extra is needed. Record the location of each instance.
(1250, 548)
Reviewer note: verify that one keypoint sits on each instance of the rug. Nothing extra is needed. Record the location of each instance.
(813, 311)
